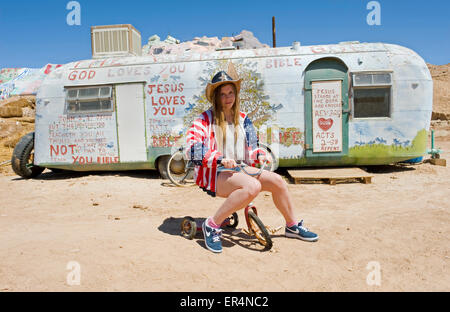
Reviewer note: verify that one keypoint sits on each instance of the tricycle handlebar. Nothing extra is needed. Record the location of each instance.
(241, 166)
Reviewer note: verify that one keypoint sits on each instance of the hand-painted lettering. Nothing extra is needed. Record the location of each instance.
(282, 62)
(81, 75)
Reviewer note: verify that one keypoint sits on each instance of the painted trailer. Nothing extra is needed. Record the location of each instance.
(327, 105)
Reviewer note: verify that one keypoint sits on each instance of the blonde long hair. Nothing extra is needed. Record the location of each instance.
(219, 115)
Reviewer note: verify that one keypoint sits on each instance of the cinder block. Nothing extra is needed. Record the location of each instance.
(438, 162)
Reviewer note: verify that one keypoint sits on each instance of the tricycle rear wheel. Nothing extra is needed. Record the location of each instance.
(188, 227)
(234, 221)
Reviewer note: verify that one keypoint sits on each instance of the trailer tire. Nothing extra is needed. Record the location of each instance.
(23, 157)
(162, 166)
(56, 170)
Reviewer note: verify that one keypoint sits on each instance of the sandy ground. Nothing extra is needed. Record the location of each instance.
(121, 229)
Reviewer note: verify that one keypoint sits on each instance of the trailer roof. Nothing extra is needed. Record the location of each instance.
(191, 56)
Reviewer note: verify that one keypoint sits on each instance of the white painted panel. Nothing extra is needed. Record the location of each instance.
(131, 122)
(327, 116)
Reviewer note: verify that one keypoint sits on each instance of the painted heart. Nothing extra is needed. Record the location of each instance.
(325, 124)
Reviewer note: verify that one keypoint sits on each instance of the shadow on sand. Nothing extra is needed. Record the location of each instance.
(172, 226)
(68, 174)
(389, 168)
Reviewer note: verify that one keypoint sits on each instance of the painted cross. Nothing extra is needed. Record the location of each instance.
(223, 77)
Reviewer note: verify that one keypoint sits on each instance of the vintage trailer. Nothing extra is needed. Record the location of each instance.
(342, 104)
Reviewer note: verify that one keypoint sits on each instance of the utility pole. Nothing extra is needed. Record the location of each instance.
(273, 32)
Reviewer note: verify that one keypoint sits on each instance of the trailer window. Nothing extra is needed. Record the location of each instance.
(89, 99)
(371, 95)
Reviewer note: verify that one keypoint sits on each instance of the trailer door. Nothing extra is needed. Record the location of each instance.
(326, 111)
(131, 122)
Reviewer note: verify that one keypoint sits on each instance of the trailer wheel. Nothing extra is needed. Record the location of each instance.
(56, 170)
(162, 166)
(22, 160)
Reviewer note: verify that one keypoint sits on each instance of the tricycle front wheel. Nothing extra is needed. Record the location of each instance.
(258, 229)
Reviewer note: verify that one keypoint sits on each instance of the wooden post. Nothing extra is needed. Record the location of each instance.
(273, 32)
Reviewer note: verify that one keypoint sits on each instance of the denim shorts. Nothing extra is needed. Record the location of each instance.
(219, 170)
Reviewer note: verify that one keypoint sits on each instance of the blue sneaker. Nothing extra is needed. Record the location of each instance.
(299, 231)
(212, 238)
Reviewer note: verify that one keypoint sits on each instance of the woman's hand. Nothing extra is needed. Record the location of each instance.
(228, 163)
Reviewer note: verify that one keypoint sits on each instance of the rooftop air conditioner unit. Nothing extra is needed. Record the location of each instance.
(115, 41)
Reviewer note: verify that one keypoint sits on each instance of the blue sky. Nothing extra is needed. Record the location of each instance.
(35, 32)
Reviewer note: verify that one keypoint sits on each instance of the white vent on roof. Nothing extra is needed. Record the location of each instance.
(115, 40)
(349, 42)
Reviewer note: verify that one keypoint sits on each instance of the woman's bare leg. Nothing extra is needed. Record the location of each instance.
(274, 183)
(239, 189)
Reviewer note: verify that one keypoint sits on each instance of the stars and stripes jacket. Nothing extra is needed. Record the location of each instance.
(202, 149)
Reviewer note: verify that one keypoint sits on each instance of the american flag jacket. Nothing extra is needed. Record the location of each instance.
(202, 149)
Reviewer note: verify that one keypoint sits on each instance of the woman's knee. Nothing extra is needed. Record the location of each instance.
(253, 188)
(274, 182)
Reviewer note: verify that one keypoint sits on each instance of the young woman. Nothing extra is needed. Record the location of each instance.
(224, 134)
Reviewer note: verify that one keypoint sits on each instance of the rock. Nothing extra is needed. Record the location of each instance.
(171, 40)
(226, 43)
(249, 41)
(440, 116)
(9, 128)
(19, 101)
(202, 43)
(238, 37)
(141, 207)
(441, 88)
(8, 111)
(245, 40)
(28, 112)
